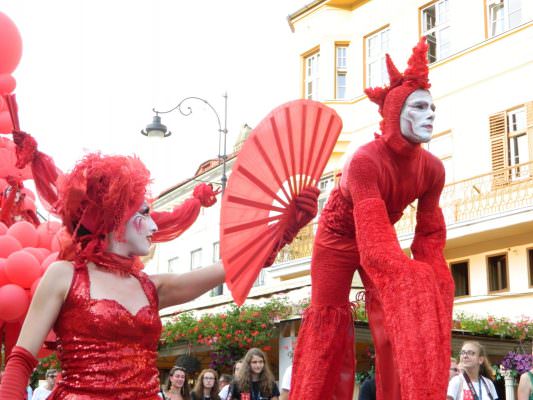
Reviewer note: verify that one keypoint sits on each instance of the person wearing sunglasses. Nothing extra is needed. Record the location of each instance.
(475, 380)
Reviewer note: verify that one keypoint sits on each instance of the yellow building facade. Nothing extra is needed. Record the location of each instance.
(481, 70)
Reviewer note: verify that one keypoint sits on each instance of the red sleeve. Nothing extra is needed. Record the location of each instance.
(430, 234)
(20, 365)
(376, 237)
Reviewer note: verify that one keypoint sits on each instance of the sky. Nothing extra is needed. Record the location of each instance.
(92, 70)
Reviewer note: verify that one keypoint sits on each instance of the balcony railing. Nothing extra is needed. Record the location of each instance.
(482, 196)
(486, 195)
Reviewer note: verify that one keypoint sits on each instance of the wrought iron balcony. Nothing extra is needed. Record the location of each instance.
(486, 195)
(494, 193)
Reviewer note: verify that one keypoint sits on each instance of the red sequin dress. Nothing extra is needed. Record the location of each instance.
(105, 351)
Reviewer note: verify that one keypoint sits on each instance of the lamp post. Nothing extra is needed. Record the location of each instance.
(157, 129)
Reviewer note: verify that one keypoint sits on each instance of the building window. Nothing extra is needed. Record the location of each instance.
(510, 143)
(503, 15)
(173, 264)
(377, 45)
(341, 69)
(326, 184)
(530, 262)
(517, 142)
(436, 29)
(216, 251)
(497, 272)
(441, 146)
(196, 258)
(312, 76)
(460, 277)
(217, 290)
(321, 204)
(260, 281)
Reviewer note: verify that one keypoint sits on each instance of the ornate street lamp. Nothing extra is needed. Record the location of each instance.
(157, 129)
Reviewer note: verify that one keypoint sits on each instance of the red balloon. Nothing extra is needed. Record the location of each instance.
(7, 84)
(39, 254)
(56, 244)
(3, 228)
(29, 205)
(10, 45)
(3, 277)
(6, 126)
(8, 245)
(22, 268)
(13, 302)
(46, 232)
(25, 233)
(49, 260)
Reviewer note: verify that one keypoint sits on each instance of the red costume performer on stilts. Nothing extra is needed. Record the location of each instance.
(409, 301)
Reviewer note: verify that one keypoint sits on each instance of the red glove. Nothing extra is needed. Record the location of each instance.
(301, 211)
(205, 194)
(20, 365)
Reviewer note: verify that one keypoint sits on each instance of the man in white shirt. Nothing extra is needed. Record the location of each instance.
(42, 392)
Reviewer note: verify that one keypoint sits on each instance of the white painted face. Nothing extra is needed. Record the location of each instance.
(416, 118)
(138, 232)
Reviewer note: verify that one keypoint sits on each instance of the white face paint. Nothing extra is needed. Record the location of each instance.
(416, 118)
(137, 235)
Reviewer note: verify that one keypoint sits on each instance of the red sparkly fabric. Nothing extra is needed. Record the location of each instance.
(105, 351)
(409, 301)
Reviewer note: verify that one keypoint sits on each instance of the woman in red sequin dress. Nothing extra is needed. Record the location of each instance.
(101, 305)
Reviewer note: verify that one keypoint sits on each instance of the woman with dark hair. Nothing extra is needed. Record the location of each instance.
(101, 305)
(255, 381)
(206, 387)
(475, 381)
(177, 385)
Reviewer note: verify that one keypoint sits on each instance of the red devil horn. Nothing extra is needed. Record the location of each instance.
(417, 66)
(377, 95)
(395, 77)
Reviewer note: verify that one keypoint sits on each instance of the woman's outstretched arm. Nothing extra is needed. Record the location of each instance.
(176, 289)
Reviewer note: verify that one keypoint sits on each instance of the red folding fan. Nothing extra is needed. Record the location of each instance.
(285, 153)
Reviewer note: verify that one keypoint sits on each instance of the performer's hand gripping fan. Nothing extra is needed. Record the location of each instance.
(272, 193)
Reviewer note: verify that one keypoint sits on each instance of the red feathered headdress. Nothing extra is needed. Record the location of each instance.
(414, 77)
(391, 98)
(102, 193)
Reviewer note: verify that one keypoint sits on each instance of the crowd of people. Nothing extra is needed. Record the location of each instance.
(471, 377)
(252, 380)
